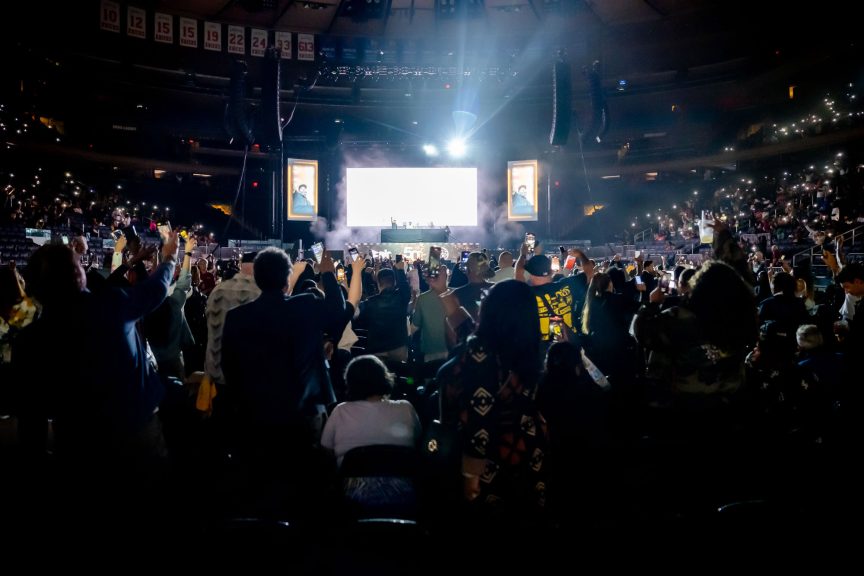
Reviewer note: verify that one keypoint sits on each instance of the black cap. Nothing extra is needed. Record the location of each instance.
(539, 265)
(248, 257)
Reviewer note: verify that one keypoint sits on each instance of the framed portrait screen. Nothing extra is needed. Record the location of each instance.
(302, 192)
(522, 190)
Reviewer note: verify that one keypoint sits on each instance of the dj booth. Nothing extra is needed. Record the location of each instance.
(403, 235)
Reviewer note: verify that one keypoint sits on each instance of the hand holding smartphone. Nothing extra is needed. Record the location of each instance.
(434, 261)
(164, 231)
(664, 283)
(531, 241)
(353, 253)
(318, 251)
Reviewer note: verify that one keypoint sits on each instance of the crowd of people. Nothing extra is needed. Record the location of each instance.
(791, 210)
(263, 380)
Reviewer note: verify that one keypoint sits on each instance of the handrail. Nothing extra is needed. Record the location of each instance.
(811, 252)
(642, 235)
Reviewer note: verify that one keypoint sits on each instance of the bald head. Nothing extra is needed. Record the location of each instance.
(505, 260)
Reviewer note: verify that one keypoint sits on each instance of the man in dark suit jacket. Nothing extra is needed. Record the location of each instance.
(100, 407)
(273, 360)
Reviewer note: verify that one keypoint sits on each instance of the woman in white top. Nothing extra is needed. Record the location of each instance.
(369, 417)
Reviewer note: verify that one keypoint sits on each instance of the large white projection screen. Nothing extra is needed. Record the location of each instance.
(422, 196)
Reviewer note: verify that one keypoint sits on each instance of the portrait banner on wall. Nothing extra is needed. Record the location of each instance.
(302, 178)
(522, 190)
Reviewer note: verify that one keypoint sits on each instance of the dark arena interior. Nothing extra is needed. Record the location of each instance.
(367, 286)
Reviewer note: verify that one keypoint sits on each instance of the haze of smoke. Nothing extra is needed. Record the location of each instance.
(337, 235)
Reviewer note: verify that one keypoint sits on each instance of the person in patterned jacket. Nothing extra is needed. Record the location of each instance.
(489, 389)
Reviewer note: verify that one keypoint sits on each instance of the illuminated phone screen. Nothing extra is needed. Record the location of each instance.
(318, 251)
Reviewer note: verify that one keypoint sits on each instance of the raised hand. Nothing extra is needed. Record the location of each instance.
(358, 265)
(145, 253)
(170, 247)
(326, 264)
(718, 225)
(656, 296)
(298, 268)
(439, 282)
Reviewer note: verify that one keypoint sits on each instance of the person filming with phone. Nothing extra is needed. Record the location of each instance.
(273, 364)
(479, 273)
(384, 315)
(563, 298)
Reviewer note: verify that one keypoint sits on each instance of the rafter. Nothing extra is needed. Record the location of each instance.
(225, 7)
(335, 16)
(282, 13)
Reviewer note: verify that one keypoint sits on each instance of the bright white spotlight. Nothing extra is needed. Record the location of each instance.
(430, 149)
(456, 147)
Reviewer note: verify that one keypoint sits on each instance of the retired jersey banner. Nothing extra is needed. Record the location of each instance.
(306, 47)
(189, 32)
(257, 42)
(213, 36)
(136, 23)
(236, 40)
(283, 44)
(109, 16)
(163, 28)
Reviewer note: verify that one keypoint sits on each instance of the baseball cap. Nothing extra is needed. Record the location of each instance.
(248, 257)
(539, 265)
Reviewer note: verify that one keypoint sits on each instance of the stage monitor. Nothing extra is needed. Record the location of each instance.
(423, 197)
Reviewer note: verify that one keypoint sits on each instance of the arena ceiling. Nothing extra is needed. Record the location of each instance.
(680, 78)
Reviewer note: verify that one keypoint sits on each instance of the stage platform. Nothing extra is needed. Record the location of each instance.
(403, 235)
(415, 250)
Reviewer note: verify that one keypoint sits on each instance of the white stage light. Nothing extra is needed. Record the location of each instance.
(430, 149)
(456, 147)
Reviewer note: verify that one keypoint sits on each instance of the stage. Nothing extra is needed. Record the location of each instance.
(411, 251)
(439, 235)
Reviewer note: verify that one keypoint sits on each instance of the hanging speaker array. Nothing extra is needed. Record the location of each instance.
(561, 103)
(236, 117)
(270, 119)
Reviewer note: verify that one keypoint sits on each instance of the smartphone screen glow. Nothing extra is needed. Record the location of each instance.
(318, 251)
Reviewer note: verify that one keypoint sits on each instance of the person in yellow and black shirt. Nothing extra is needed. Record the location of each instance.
(562, 298)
